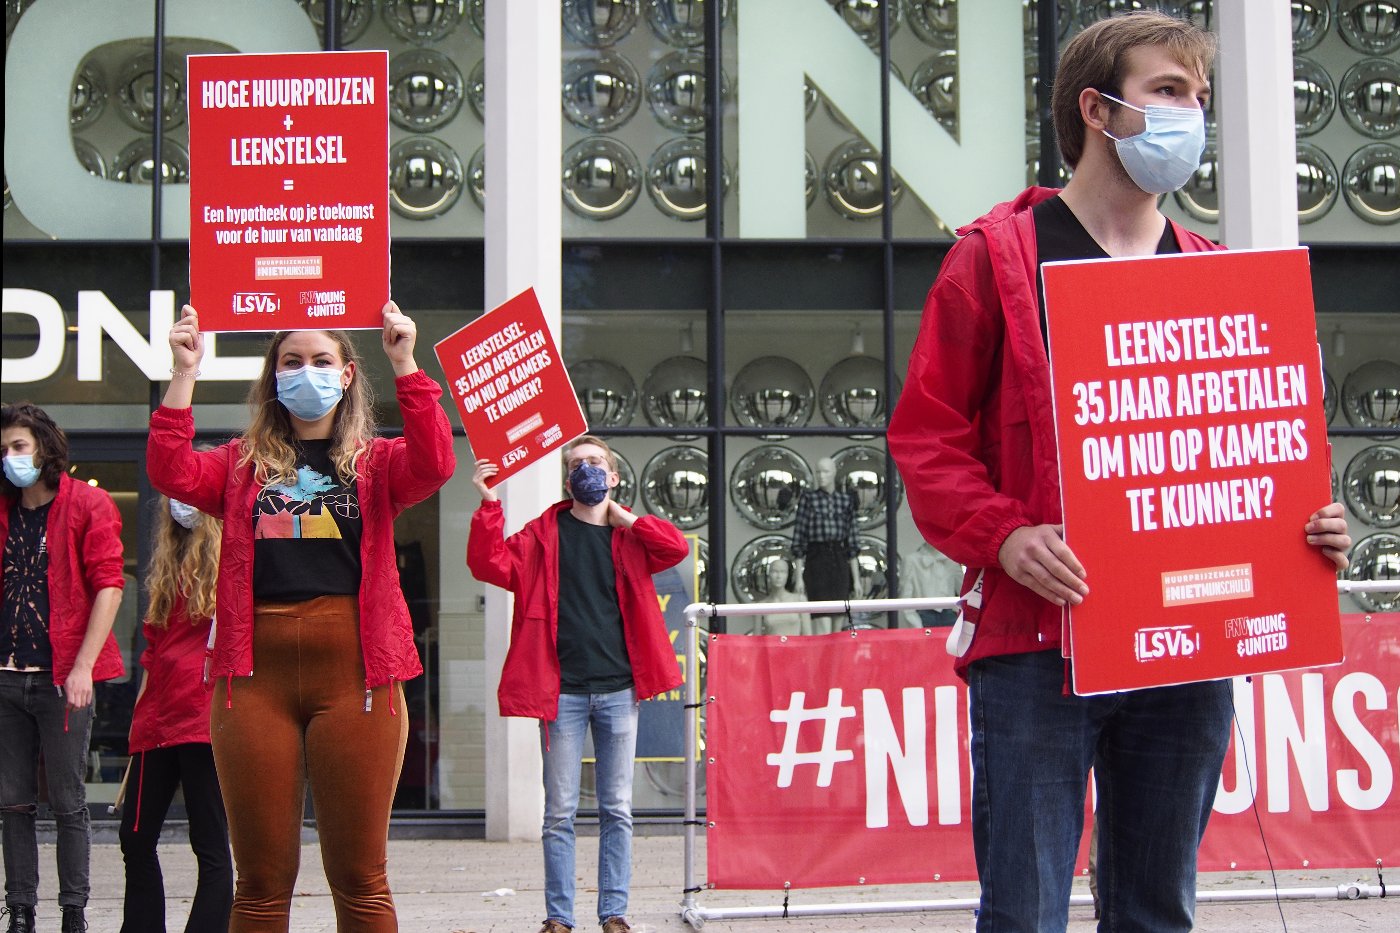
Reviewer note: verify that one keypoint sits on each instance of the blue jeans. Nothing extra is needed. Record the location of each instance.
(1156, 756)
(34, 718)
(613, 719)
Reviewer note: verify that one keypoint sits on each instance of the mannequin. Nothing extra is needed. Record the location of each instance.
(781, 623)
(824, 544)
(927, 572)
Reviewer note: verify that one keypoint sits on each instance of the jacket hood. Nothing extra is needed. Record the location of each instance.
(1022, 202)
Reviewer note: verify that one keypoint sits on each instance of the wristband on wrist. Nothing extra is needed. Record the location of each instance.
(178, 372)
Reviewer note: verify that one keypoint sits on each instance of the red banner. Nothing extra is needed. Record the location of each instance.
(843, 760)
(513, 393)
(289, 190)
(1193, 449)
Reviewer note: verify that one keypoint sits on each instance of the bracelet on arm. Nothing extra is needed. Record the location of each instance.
(178, 372)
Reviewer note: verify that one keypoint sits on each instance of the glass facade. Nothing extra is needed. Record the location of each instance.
(756, 195)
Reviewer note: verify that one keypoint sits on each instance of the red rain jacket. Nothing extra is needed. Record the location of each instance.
(395, 474)
(527, 564)
(974, 433)
(84, 541)
(174, 707)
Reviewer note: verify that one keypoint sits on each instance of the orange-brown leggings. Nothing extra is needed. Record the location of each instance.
(301, 717)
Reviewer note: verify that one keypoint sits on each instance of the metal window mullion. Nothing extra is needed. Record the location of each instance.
(887, 311)
(1047, 46)
(714, 233)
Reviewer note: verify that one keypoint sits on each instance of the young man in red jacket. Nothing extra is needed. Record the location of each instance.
(975, 441)
(62, 581)
(588, 643)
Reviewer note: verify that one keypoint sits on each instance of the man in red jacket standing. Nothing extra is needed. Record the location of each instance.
(974, 439)
(62, 581)
(587, 644)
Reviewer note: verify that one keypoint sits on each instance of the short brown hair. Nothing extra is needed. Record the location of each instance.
(595, 440)
(49, 439)
(1096, 58)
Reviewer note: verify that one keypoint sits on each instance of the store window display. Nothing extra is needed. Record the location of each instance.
(824, 544)
(928, 572)
(782, 589)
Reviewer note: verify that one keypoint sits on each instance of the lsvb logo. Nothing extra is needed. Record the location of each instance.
(1168, 641)
(255, 303)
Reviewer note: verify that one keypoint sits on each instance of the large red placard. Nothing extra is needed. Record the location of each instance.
(289, 190)
(1193, 448)
(512, 391)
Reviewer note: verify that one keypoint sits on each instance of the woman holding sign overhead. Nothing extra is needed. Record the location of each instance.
(314, 638)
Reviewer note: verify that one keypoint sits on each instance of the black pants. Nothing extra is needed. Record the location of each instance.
(154, 776)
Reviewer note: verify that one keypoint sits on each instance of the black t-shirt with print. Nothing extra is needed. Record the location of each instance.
(24, 622)
(306, 538)
(592, 650)
(1060, 237)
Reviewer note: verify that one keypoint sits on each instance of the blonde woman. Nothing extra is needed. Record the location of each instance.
(169, 741)
(314, 638)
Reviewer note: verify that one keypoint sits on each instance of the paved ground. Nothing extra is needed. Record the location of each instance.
(439, 886)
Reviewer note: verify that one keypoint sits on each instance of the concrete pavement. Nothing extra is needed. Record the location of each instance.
(448, 886)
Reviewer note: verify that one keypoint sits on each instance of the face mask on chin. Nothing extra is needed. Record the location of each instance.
(1165, 155)
(186, 516)
(588, 484)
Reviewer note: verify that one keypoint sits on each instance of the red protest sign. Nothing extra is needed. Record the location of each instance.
(289, 190)
(1193, 449)
(512, 391)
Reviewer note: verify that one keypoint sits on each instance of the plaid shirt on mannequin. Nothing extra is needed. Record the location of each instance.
(825, 517)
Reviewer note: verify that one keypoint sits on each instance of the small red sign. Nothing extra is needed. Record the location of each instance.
(510, 385)
(1193, 449)
(289, 190)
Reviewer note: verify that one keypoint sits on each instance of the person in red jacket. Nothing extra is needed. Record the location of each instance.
(62, 582)
(309, 598)
(169, 741)
(974, 439)
(587, 644)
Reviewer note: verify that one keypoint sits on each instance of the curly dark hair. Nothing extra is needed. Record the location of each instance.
(49, 439)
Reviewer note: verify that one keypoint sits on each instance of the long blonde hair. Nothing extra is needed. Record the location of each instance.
(185, 563)
(267, 444)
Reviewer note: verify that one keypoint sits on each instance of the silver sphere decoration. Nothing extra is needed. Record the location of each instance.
(1200, 196)
(935, 84)
(1336, 486)
(425, 90)
(1311, 20)
(1371, 181)
(863, 16)
(676, 486)
(681, 23)
(476, 90)
(476, 17)
(860, 471)
(422, 21)
(1200, 13)
(88, 97)
(354, 17)
(676, 178)
(425, 178)
(602, 178)
(811, 181)
(1314, 98)
(1091, 11)
(1066, 13)
(1376, 558)
(935, 22)
(1372, 485)
(1318, 183)
(749, 573)
(675, 91)
(1372, 27)
(476, 177)
(851, 179)
(852, 393)
(1371, 395)
(598, 23)
(674, 393)
(136, 164)
(136, 94)
(89, 158)
(874, 564)
(600, 91)
(605, 391)
(772, 392)
(765, 485)
(1329, 398)
(1370, 97)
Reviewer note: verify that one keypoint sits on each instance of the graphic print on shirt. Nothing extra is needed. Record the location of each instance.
(24, 623)
(305, 510)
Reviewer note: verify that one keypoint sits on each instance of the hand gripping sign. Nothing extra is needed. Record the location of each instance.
(1187, 394)
(510, 385)
(289, 190)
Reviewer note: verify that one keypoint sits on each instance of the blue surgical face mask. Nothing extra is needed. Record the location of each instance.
(1165, 155)
(310, 392)
(588, 483)
(20, 470)
(187, 516)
